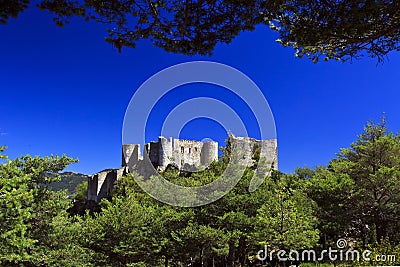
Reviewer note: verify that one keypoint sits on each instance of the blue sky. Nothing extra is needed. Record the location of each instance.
(65, 90)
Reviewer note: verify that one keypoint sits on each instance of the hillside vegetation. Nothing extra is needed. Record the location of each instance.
(354, 198)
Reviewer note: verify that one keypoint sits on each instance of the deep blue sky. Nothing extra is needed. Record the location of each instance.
(65, 90)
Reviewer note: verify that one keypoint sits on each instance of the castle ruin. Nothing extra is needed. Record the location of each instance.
(185, 155)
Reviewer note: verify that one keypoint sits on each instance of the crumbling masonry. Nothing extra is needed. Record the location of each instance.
(185, 155)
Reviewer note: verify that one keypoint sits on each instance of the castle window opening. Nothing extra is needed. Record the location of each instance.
(190, 150)
(182, 149)
(195, 149)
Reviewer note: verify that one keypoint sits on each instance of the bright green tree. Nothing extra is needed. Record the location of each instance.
(28, 208)
(16, 212)
(287, 219)
(358, 193)
(331, 191)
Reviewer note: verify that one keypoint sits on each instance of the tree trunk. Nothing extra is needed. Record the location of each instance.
(166, 261)
(201, 257)
(231, 254)
(242, 251)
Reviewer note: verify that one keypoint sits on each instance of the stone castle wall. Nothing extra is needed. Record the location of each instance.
(209, 152)
(187, 155)
(130, 155)
(101, 184)
(184, 154)
(165, 152)
(246, 148)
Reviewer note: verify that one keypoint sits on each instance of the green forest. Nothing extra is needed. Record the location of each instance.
(355, 198)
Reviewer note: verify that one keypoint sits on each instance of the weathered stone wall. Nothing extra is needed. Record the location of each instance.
(244, 149)
(130, 155)
(209, 153)
(270, 152)
(165, 152)
(187, 155)
(101, 184)
(153, 151)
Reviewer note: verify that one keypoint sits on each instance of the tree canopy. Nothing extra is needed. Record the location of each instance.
(320, 29)
(356, 196)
